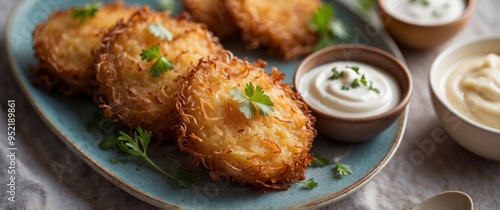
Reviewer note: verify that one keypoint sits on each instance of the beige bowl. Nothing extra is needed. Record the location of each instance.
(355, 129)
(423, 36)
(479, 139)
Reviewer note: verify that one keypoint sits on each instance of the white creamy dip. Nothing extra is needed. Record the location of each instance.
(473, 88)
(425, 12)
(336, 92)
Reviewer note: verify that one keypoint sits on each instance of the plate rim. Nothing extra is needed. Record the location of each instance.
(144, 196)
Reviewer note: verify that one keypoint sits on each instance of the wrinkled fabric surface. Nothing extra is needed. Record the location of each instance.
(50, 176)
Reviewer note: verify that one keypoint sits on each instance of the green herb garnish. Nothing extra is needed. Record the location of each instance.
(354, 68)
(320, 161)
(253, 101)
(109, 142)
(158, 30)
(355, 84)
(342, 170)
(87, 11)
(328, 28)
(336, 74)
(161, 64)
(138, 146)
(363, 80)
(376, 90)
(309, 184)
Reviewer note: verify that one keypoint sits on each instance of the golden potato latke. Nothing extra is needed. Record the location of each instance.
(264, 152)
(63, 45)
(215, 15)
(279, 25)
(128, 93)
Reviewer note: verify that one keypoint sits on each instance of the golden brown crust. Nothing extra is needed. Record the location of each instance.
(63, 46)
(215, 15)
(128, 93)
(280, 25)
(264, 152)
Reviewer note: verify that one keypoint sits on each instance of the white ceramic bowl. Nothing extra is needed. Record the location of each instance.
(477, 138)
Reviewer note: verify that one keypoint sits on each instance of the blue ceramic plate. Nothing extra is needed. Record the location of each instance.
(68, 116)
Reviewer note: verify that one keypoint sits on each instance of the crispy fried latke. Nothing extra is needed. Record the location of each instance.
(128, 93)
(279, 25)
(63, 45)
(215, 15)
(264, 152)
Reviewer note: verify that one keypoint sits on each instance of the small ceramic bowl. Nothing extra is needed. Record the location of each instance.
(477, 138)
(421, 37)
(356, 129)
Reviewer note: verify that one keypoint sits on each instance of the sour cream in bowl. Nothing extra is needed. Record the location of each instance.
(354, 91)
(465, 89)
(424, 24)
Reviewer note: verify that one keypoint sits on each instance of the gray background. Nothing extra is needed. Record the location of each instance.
(400, 185)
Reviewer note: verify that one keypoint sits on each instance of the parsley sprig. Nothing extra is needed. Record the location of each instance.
(138, 146)
(330, 30)
(87, 11)
(161, 64)
(336, 74)
(253, 101)
(309, 184)
(356, 83)
(338, 170)
(341, 170)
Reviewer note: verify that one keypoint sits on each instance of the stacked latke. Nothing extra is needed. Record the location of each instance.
(128, 93)
(63, 45)
(279, 25)
(215, 15)
(264, 151)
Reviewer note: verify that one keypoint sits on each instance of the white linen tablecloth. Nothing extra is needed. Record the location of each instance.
(50, 176)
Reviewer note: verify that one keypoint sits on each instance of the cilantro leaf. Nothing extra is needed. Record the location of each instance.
(253, 101)
(320, 161)
(336, 74)
(376, 90)
(322, 17)
(87, 11)
(158, 30)
(345, 88)
(138, 146)
(151, 54)
(342, 170)
(309, 184)
(184, 177)
(363, 80)
(109, 142)
(354, 68)
(320, 23)
(328, 28)
(161, 65)
(355, 83)
(262, 101)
